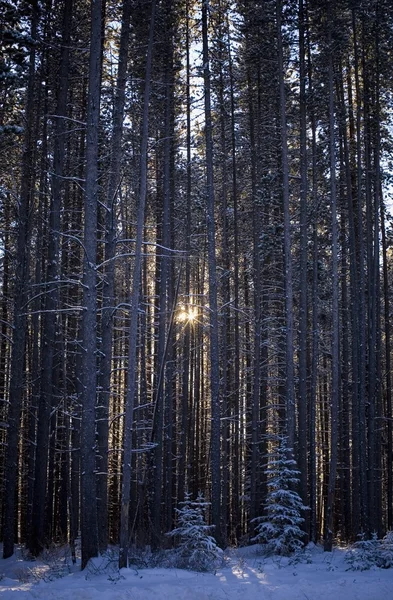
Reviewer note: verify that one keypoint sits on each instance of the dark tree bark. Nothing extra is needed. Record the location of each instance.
(288, 279)
(133, 327)
(359, 483)
(335, 383)
(186, 346)
(303, 302)
(16, 388)
(257, 316)
(163, 341)
(37, 539)
(236, 326)
(4, 343)
(389, 416)
(213, 305)
(108, 293)
(314, 303)
(375, 479)
(89, 532)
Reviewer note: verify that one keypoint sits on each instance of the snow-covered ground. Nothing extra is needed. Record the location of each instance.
(245, 576)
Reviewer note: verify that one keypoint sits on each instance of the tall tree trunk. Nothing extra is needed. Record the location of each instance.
(375, 414)
(303, 308)
(354, 300)
(389, 415)
(183, 479)
(344, 440)
(213, 307)
(225, 288)
(108, 293)
(37, 539)
(236, 335)
(133, 327)
(89, 532)
(36, 306)
(257, 317)
(288, 282)
(163, 341)
(314, 308)
(21, 293)
(4, 344)
(335, 383)
(359, 466)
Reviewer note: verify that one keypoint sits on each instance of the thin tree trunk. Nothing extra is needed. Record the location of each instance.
(255, 407)
(186, 346)
(375, 448)
(108, 293)
(236, 391)
(359, 500)
(290, 376)
(164, 283)
(37, 306)
(213, 308)
(372, 261)
(225, 291)
(133, 328)
(335, 383)
(5, 330)
(314, 309)
(388, 350)
(344, 440)
(303, 308)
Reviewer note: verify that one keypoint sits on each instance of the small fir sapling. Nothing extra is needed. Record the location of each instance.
(367, 553)
(386, 555)
(196, 549)
(362, 555)
(278, 530)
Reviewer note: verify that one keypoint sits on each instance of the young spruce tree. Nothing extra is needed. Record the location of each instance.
(279, 529)
(197, 549)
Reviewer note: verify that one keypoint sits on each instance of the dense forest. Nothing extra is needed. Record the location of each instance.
(195, 263)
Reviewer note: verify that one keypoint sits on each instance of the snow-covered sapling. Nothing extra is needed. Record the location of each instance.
(367, 553)
(386, 555)
(196, 549)
(362, 555)
(278, 530)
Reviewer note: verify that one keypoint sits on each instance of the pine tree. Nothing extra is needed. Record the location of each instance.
(197, 549)
(279, 529)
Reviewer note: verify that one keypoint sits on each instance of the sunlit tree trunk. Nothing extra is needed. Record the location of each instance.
(133, 326)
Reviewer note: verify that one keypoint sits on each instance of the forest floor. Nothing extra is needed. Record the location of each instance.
(244, 576)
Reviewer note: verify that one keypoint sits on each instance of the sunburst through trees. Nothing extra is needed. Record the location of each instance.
(195, 259)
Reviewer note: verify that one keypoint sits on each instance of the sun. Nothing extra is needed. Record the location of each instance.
(188, 314)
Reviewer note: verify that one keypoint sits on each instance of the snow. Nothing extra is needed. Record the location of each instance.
(245, 576)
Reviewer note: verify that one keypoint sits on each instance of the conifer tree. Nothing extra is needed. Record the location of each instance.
(279, 529)
(197, 549)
